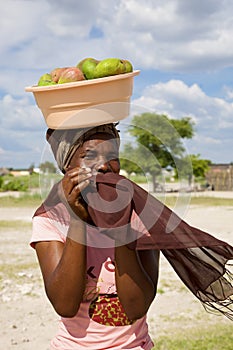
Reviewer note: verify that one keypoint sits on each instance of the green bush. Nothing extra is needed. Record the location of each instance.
(14, 184)
(33, 180)
(19, 183)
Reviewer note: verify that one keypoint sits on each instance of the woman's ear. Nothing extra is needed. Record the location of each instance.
(49, 133)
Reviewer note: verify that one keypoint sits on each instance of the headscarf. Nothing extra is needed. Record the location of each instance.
(64, 143)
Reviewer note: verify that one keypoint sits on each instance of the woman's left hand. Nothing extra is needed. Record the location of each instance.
(73, 183)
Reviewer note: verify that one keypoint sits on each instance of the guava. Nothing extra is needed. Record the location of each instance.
(80, 63)
(70, 75)
(56, 73)
(45, 79)
(88, 66)
(108, 67)
(128, 66)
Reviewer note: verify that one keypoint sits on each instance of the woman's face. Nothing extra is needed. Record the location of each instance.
(100, 153)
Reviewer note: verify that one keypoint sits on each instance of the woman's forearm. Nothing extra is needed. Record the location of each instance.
(134, 287)
(66, 284)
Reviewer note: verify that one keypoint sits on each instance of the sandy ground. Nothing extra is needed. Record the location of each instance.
(27, 319)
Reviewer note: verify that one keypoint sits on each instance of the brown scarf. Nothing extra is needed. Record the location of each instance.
(197, 257)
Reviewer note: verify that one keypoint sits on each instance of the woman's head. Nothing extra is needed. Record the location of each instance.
(100, 153)
(76, 147)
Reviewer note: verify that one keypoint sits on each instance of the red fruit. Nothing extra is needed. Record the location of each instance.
(71, 74)
(56, 73)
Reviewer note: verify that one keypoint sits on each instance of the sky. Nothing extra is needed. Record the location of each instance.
(183, 49)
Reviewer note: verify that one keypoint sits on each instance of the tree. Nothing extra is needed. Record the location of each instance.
(199, 166)
(31, 168)
(47, 167)
(159, 142)
(132, 166)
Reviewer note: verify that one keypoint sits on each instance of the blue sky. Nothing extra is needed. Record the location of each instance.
(184, 50)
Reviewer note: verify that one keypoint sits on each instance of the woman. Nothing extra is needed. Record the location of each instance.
(101, 289)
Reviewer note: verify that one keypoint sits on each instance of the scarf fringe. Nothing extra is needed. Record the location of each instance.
(215, 306)
(206, 274)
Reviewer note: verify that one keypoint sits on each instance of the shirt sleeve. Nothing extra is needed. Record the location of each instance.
(137, 224)
(47, 229)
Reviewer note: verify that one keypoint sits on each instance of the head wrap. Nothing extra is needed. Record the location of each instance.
(64, 143)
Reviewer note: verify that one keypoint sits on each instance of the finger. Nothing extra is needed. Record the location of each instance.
(76, 171)
(84, 184)
(79, 182)
(77, 190)
(67, 185)
(74, 178)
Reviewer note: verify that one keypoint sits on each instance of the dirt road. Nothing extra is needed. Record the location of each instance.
(27, 319)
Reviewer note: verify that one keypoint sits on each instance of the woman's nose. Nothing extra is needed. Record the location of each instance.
(103, 166)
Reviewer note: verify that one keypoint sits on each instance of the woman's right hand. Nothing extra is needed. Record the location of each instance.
(73, 183)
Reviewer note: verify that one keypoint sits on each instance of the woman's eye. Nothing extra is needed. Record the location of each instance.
(113, 157)
(90, 155)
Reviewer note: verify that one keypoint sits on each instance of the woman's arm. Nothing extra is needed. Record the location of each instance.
(63, 268)
(136, 279)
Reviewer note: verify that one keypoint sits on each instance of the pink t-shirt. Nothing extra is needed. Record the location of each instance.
(89, 329)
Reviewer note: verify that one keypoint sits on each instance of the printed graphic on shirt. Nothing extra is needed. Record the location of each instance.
(105, 307)
(108, 311)
(100, 280)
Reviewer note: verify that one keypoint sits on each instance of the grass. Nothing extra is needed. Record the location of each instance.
(34, 200)
(10, 271)
(213, 338)
(202, 201)
(25, 200)
(15, 224)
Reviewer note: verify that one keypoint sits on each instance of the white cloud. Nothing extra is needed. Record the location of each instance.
(21, 132)
(208, 141)
(228, 91)
(173, 36)
(178, 100)
(19, 114)
(212, 116)
(163, 35)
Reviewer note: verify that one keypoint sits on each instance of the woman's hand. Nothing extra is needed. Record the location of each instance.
(73, 183)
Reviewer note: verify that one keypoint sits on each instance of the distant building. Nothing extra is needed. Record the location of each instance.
(37, 171)
(20, 172)
(220, 177)
(4, 171)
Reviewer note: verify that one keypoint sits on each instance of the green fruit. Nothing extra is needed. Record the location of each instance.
(128, 66)
(88, 66)
(45, 79)
(70, 75)
(108, 67)
(80, 64)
